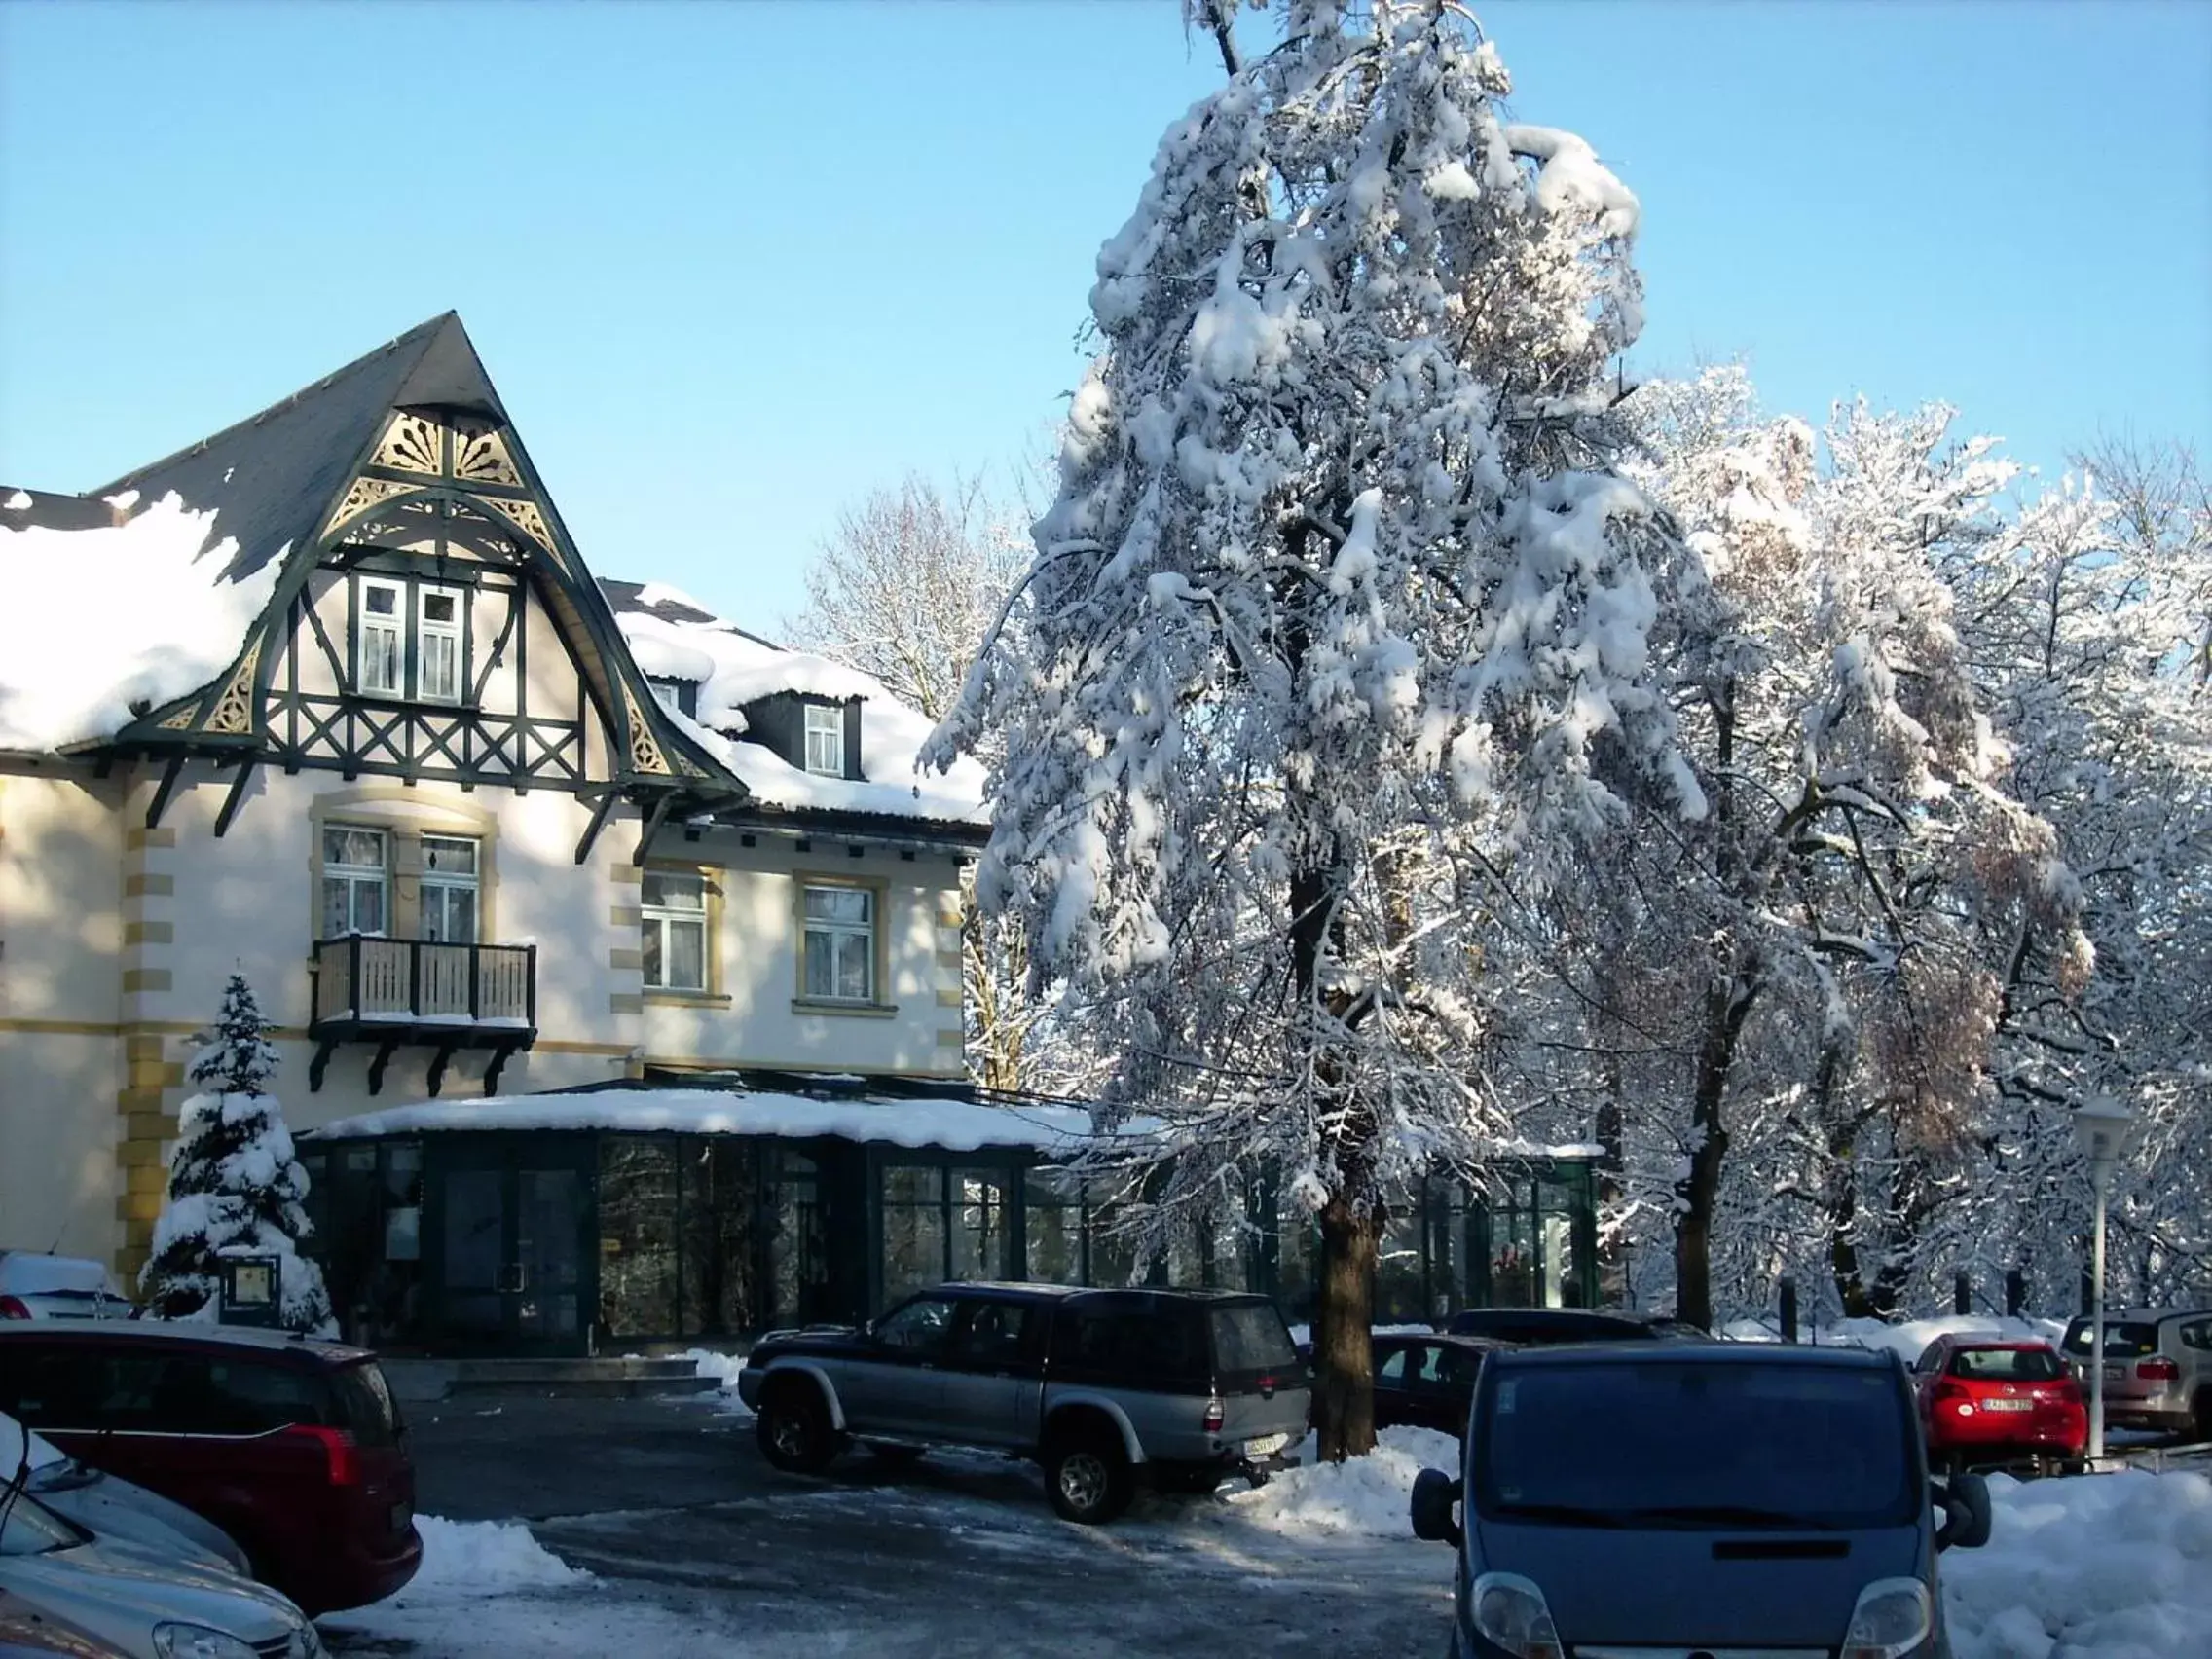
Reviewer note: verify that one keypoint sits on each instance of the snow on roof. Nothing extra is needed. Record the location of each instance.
(107, 614)
(673, 636)
(956, 1126)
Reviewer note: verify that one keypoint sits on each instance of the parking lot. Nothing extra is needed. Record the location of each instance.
(696, 1546)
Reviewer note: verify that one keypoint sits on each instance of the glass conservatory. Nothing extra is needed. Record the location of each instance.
(705, 1209)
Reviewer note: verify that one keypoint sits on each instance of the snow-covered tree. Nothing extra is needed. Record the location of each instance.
(1340, 611)
(235, 1187)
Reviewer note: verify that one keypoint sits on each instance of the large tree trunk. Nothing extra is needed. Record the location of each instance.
(1728, 1006)
(1343, 1319)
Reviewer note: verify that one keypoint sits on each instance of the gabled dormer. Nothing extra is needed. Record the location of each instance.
(819, 735)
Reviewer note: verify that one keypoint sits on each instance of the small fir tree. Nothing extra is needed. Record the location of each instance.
(235, 1187)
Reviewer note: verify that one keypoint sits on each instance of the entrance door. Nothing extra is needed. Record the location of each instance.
(511, 1227)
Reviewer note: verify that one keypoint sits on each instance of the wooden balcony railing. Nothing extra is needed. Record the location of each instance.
(390, 991)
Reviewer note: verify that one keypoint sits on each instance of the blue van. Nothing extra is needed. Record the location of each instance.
(1696, 1502)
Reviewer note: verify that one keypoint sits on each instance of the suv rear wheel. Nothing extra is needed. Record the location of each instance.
(1087, 1476)
(793, 1428)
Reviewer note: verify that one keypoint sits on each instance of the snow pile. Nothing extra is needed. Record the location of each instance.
(719, 1369)
(2096, 1566)
(167, 620)
(1366, 1497)
(731, 669)
(485, 1558)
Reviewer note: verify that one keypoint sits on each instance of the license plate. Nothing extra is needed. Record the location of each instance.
(402, 1517)
(1266, 1446)
(2008, 1405)
(2115, 1373)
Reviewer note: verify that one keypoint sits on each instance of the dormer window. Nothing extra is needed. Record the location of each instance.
(678, 696)
(825, 740)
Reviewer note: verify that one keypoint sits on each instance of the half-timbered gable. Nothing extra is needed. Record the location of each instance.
(331, 698)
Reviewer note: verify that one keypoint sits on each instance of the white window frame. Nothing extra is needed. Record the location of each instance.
(825, 720)
(357, 876)
(838, 937)
(452, 632)
(661, 918)
(439, 882)
(392, 626)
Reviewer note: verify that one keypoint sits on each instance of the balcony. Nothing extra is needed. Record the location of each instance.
(421, 993)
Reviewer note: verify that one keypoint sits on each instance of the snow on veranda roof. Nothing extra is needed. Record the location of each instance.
(951, 1124)
(172, 562)
(674, 637)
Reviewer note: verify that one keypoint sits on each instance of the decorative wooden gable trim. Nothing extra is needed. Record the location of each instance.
(453, 480)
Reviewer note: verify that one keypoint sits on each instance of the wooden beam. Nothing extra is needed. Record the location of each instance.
(235, 795)
(167, 787)
(598, 823)
(653, 827)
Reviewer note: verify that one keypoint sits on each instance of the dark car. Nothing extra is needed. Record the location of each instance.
(1546, 1327)
(1102, 1387)
(295, 1447)
(1696, 1499)
(1428, 1382)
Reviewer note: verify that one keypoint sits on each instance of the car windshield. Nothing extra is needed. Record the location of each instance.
(1251, 1337)
(2124, 1339)
(1695, 1443)
(2008, 1365)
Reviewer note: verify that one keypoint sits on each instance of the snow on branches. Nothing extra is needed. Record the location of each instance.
(235, 1187)
(1340, 607)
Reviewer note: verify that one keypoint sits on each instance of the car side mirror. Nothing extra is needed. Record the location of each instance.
(1435, 1494)
(1967, 1516)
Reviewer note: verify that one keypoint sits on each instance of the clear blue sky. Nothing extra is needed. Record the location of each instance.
(732, 265)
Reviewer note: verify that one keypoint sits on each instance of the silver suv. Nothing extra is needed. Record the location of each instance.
(1102, 1388)
(2158, 1368)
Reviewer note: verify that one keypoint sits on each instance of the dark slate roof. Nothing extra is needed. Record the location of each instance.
(271, 476)
(43, 509)
(627, 600)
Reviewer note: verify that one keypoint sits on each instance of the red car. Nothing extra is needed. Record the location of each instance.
(293, 1446)
(1985, 1400)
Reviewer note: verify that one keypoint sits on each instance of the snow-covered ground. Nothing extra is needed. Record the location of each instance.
(2108, 1567)
(2095, 1566)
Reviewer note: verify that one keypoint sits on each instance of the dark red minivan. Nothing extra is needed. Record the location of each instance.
(294, 1447)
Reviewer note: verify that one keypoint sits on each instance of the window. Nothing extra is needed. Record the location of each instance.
(675, 931)
(919, 1327)
(438, 662)
(355, 893)
(408, 638)
(449, 889)
(996, 1335)
(826, 739)
(381, 664)
(1392, 1370)
(680, 696)
(840, 943)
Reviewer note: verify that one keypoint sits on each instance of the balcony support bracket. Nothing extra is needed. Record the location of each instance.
(438, 1060)
(376, 1065)
(320, 1064)
(499, 1065)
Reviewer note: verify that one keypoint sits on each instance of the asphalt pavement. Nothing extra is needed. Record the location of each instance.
(669, 1504)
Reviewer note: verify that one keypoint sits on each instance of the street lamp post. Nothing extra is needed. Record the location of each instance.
(2101, 1125)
